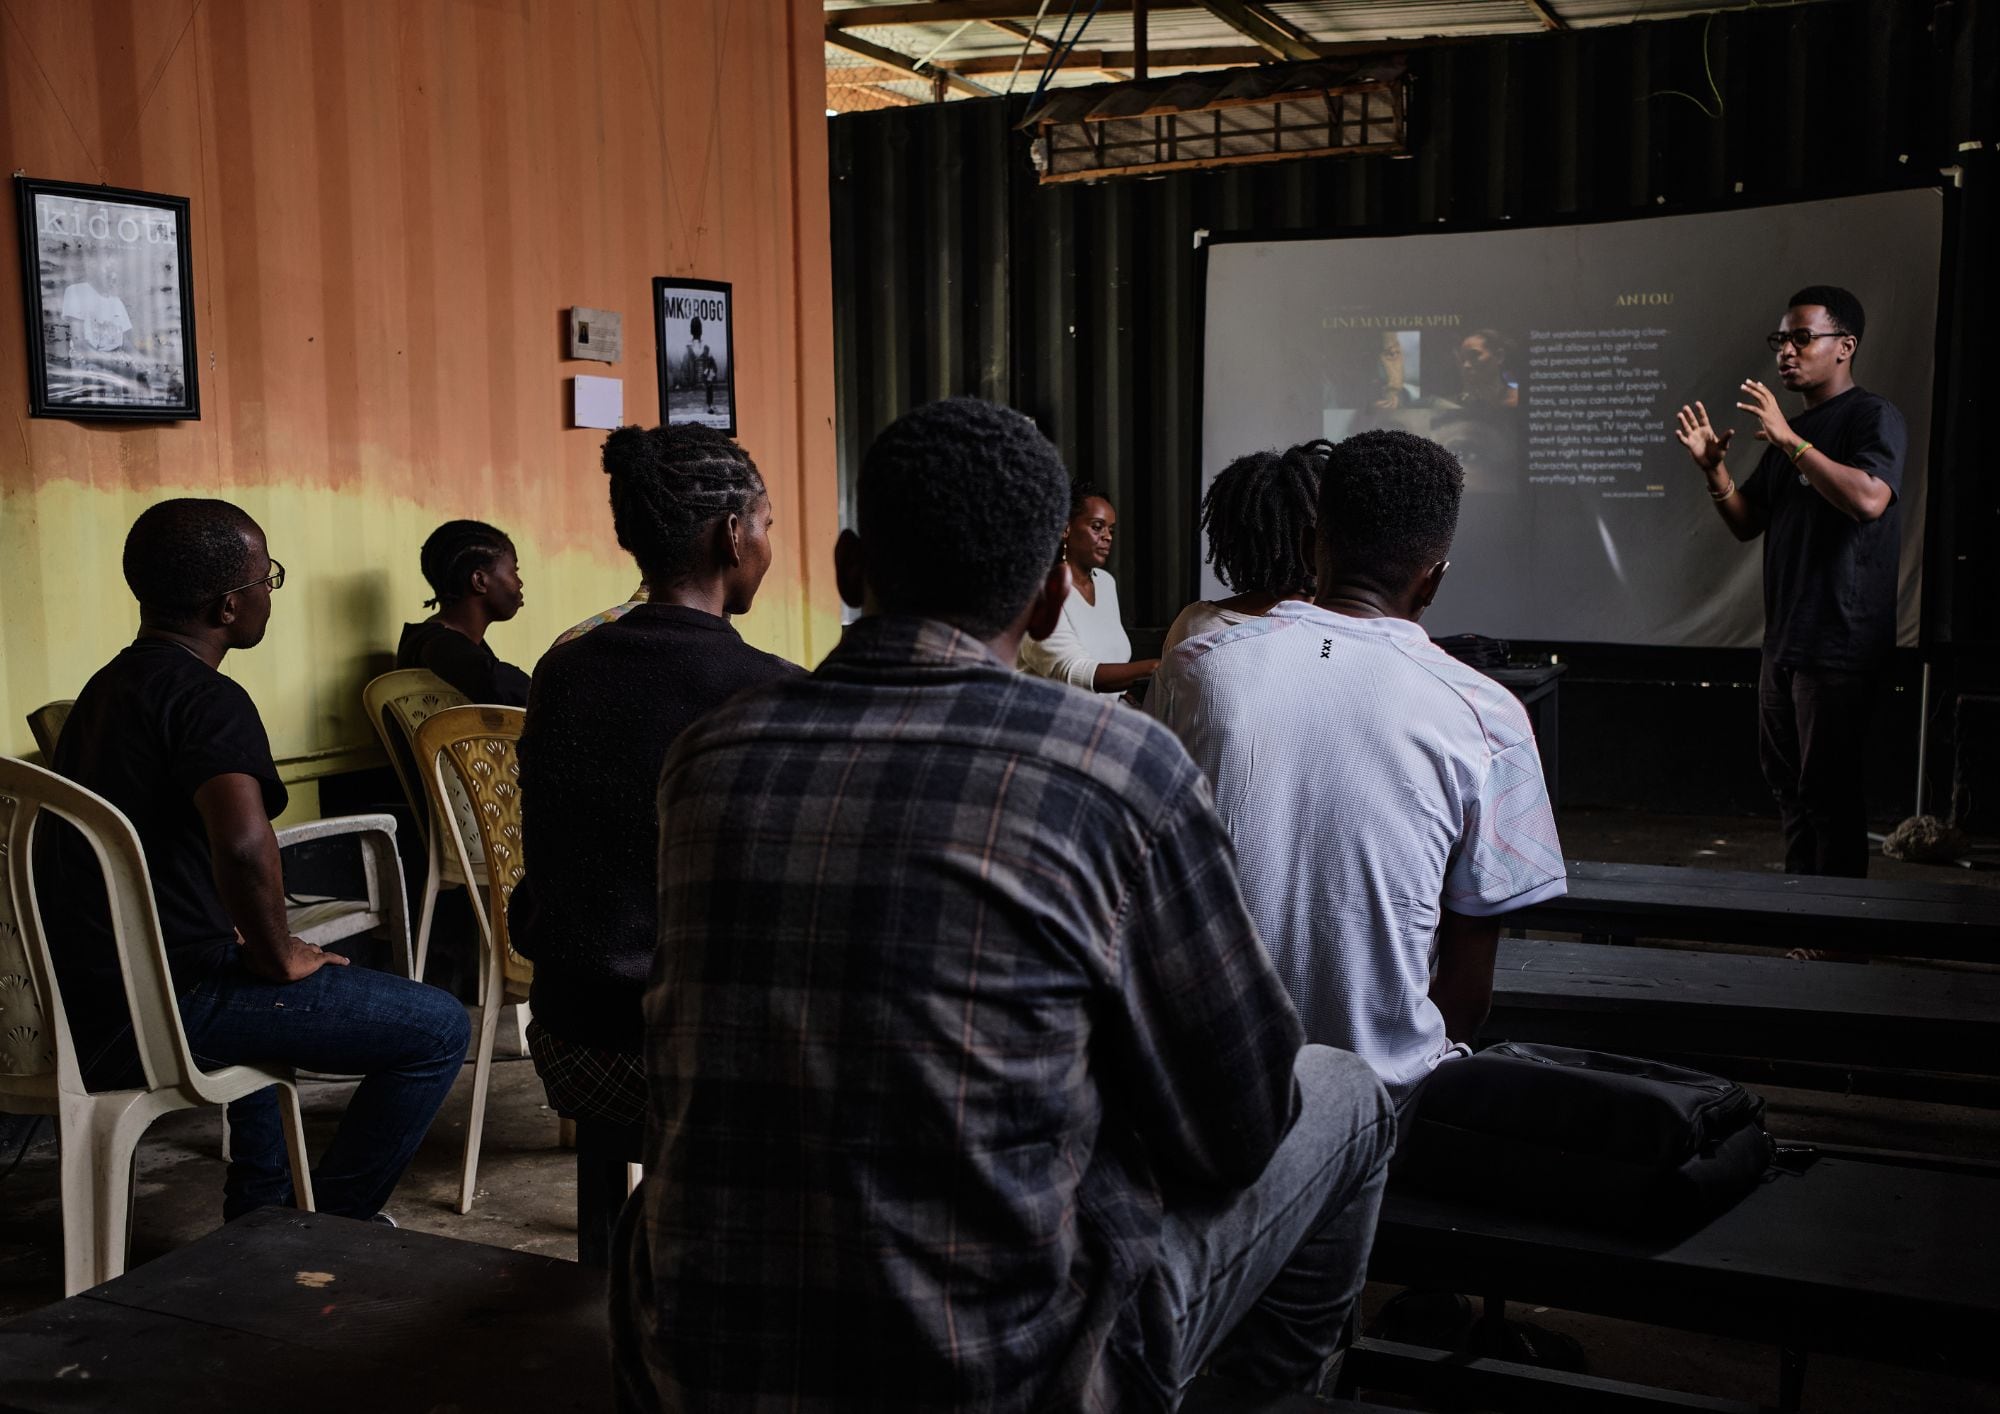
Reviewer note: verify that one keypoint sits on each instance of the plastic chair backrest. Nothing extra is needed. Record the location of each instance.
(397, 704)
(46, 724)
(475, 746)
(39, 1041)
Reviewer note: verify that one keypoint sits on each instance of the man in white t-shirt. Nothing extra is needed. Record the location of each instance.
(1386, 801)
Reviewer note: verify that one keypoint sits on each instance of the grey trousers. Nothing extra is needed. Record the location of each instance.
(1258, 1288)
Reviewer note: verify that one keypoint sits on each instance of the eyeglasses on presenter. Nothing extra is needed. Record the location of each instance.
(1800, 339)
(273, 581)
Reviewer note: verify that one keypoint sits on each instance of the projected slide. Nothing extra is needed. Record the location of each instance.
(1551, 361)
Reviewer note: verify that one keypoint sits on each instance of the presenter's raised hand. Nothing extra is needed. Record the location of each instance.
(1703, 442)
(1763, 404)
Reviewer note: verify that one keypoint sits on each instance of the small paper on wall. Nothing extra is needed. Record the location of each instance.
(599, 402)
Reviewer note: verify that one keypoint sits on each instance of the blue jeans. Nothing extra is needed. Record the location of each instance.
(1258, 1287)
(405, 1039)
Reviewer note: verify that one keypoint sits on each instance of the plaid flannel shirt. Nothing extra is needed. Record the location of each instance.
(955, 992)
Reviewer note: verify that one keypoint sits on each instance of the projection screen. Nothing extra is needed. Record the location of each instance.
(1552, 361)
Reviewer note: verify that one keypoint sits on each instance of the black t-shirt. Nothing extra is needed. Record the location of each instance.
(1829, 581)
(152, 726)
(473, 668)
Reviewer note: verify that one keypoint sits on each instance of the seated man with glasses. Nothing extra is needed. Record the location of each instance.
(165, 737)
(1824, 498)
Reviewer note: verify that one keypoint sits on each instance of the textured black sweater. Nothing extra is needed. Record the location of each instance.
(603, 711)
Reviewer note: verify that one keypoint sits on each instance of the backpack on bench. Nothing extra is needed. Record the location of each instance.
(1612, 1141)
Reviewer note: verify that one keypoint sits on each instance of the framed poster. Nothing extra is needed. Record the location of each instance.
(109, 296)
(692, 319)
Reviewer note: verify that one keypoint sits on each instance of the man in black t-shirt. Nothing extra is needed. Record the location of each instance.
(165, 737)
(1824, 497)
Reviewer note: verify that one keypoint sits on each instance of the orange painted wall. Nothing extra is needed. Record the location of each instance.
(394, 202)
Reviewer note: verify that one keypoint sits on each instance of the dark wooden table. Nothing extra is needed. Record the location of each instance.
(1879, 917)
(1880, 1261)
(304, 1312)
(1659, 1001)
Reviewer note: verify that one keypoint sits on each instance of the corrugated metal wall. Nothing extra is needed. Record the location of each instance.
(954, 272)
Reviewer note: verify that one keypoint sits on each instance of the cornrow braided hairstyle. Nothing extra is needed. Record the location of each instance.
(454, 552)
(668, 486)
(1257, 515)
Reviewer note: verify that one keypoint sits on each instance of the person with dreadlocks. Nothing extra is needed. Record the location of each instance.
(689, 505)
(1089, 647)
(475, 582)
(1259, 515)
(165, 736)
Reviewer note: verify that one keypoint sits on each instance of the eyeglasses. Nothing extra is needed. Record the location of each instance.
(1800, 339)
(273, 581)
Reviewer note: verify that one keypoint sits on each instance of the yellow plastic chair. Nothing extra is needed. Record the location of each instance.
(46, 724)
(475, 747)
(39, 1072)
(398, 703)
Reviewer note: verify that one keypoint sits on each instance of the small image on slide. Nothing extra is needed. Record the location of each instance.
(1488, 370)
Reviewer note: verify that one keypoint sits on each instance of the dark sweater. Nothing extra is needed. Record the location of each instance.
(604, 710)
(473, 668)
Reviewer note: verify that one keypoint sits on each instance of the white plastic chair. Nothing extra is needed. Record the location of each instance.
(39, 1073)
(475, 748)
(397, 703)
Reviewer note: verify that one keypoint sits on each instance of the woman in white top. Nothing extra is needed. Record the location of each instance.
(1259, 515)
(1089, 648)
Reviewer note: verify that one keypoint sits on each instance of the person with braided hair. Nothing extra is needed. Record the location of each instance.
(692, 510)
(475, 579)
(1258, 515)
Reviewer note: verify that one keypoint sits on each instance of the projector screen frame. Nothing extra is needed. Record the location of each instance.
(1690, 662)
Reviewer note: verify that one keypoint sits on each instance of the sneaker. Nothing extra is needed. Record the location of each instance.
(384, 1219)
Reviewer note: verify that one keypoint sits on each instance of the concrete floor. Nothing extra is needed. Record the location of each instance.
(528, 1195)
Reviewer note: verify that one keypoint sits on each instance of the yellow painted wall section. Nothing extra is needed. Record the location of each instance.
(394, 204)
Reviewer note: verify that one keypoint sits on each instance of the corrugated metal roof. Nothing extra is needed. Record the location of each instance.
(990, 51)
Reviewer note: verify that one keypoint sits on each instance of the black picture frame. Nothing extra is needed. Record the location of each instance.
(108, 300)
(684, 315)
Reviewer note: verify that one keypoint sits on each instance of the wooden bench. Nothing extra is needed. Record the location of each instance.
(1890, 1261)
(1669, 1002)
(1873, 916)
(305, 1312)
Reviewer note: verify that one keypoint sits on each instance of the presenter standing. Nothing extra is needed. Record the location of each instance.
(1824, 497)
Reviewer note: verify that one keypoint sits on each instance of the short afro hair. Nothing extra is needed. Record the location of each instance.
(1388, 503)
(457, 550)
(184, 554)
(668, 486)
(1256, 515)
(1840, 305)
(962, 504)
(1081, 491)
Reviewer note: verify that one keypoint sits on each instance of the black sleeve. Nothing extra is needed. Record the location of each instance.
(213, 730)
(510, 685)
(1876, 441)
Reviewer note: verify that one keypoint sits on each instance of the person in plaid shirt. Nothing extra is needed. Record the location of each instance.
(970, 1084)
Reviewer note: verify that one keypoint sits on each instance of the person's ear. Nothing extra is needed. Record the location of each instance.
(226, 610)
(850, 573)
(1046, 610)
(478, 583)
(731, 546)
(1427, 587)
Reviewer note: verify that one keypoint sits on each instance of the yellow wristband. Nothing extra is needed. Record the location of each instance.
(1800, 451)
